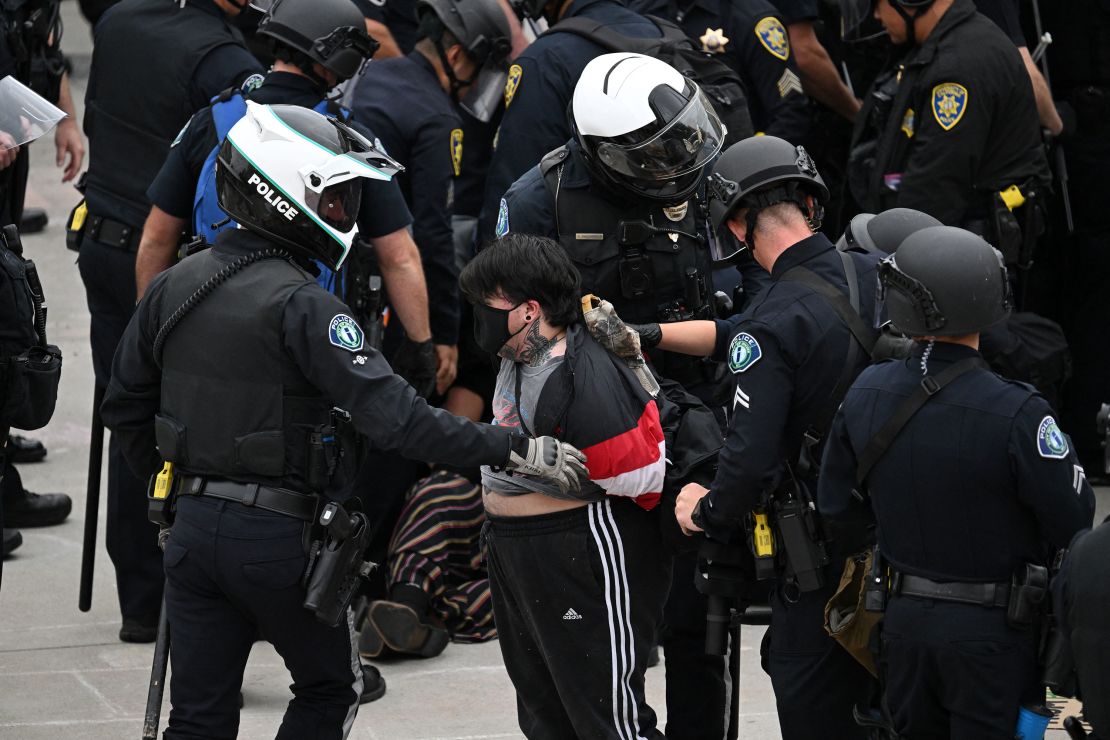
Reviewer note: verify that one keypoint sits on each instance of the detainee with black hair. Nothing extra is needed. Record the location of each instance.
(578, 582)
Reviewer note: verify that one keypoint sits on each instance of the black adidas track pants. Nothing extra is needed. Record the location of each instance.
(578, 596)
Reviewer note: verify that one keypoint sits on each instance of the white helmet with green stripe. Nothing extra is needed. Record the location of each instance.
(295, 177)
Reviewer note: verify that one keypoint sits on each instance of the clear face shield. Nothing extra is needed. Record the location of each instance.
(24, 115)
(684, 145)
(486, 92)
(858, 22)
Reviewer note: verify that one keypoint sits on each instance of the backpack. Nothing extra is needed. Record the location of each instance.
(30, 369)
(208, 219)
(720, 82)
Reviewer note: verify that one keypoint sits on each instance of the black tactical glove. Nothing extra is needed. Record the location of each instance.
(550, 459)
(416, 363)
(650, 335)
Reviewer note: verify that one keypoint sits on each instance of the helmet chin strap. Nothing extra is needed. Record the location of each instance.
(909, 18)
(456, 83)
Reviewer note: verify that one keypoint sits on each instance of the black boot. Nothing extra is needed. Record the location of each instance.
(12, 540)
(24, 449)
(26, 509)
(404, 625)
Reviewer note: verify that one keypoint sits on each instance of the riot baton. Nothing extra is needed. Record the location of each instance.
(1059, 161)
(157, 677)
(92, 502)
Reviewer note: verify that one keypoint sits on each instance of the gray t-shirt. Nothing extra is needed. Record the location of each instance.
(507, 412)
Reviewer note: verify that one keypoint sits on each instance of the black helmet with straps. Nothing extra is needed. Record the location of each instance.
(331, 33)
(883, 232)
(944, 281)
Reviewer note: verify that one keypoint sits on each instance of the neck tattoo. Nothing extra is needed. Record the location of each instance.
(536, 349)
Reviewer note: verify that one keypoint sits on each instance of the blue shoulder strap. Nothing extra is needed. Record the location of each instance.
(227, 109)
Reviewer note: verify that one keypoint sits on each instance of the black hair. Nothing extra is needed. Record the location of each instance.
(522, 267)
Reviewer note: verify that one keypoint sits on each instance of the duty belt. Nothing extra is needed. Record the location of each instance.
(981, 594)
(112, 232)
(277, 500)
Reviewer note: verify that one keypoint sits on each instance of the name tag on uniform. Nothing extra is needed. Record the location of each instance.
(589, 237)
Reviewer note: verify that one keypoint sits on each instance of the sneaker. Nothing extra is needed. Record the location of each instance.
(134, 630)
(402, 630)
(24, 449)
(37, 509)
(12, 540)
(373, 685)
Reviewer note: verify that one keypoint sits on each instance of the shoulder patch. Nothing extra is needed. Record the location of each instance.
(908, 123)
(345, 333)
(713, 41)
(772, 34)
(1051, 442)
(252, 83)
(456, 150)
(512, 82)
(949, 104)
(743, 352)
(502, 219)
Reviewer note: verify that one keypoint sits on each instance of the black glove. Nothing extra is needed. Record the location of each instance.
(548, 458)
(650, 335)
(416, 363)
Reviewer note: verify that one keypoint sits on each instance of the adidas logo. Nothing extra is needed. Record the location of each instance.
(571, 614)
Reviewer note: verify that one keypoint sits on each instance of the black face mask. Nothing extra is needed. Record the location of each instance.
(491, 327)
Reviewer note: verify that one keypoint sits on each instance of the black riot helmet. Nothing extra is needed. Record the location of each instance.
(760, 172)
(331, 33)
(295, 176)
(644, 128)
(482, 29)
(858, 22)
(944, 281)
(882, 233)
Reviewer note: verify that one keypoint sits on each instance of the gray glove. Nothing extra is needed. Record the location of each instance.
(550, 459)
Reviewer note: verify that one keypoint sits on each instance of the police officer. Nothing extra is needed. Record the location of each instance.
(539, 88)
(232, 364)
(752, 39)
(952, 126)
(793, 354)
(1080, 70)
(461, 59)
(154, 64)
(1081, 592)
(972, 485)
(625, 199)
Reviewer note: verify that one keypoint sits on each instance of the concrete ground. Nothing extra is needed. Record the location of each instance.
(64, 674)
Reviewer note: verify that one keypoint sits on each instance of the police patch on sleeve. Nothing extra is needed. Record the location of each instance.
(345, 333)
(743, 352)
(949, 104)
(502, 219)
(252, 83)
(772, 34)
(512, 83)
(1051, 442)
(456, 150)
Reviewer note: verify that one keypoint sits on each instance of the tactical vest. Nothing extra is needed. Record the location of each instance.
(147, 52)
(649, 276)
(233, 405)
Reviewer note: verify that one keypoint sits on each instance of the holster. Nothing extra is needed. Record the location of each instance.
(335, 563)
(798, 531)
(1027, 596)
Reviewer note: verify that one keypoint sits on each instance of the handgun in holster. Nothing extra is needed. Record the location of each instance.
(799, 534)
(1028, 590)
(160, 496)
(335, 563)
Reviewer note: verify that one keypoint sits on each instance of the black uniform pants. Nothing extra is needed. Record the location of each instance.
(577, 598)
(697, 694)
(233, 572)
(816, 682)
(109, 276)
(954, 670)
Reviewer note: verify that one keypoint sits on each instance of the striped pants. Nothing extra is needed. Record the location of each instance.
(579, 596)
(435, 548)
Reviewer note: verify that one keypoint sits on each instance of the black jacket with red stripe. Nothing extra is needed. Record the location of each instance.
(595, 403)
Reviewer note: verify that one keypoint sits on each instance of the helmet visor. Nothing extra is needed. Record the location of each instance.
(684, 145)
(486, 92)
(24, 115)
(858, 22)
(338, 205)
